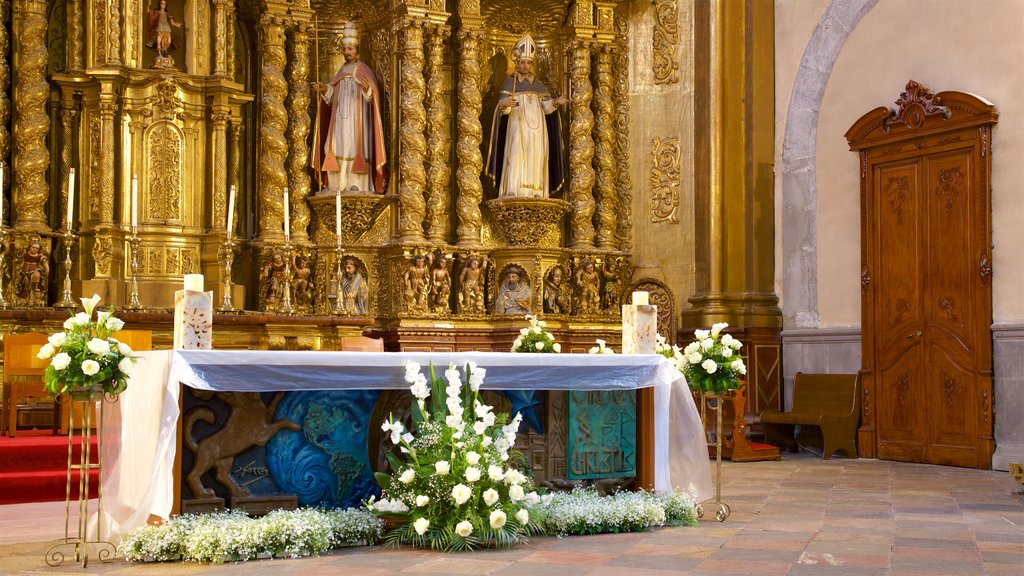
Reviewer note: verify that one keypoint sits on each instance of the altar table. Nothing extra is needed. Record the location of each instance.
(139, 433)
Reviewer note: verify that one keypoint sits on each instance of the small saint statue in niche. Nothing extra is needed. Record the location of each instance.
(417, 284)
(440, 285)
(588, 282)
(611, 289)
(275, 279)
(556, 291)
(349, 148)
(471, 285)
(302, 281)
(525, 152)
(161, 36)
(514, 292)
(34, 274)
(354, 289)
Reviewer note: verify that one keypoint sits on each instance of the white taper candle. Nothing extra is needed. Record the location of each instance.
(135, 202)
(287, 214)
(71, 196)
(231, 211)
(337, 217)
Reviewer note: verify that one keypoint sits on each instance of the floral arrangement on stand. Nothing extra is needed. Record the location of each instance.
(536, 338)
(454, 482)
(712, 363)
(670, 351)
(86, 357)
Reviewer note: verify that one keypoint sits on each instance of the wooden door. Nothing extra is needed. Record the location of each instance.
(926, 293)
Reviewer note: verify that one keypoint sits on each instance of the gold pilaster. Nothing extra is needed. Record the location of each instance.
(220, 37)
(233, 170)
(298, 132)
(67, 119)
(76, 52)
(219, 118)
(604, 149)
(31, 124)
(581, 147)
(130, 27)
(412, 177)
(734, 194)
(273, 120)
(620, 100)
(5, 102)
(114, 36)
(103, 210)
(470, 135)
(438, 138)
(96, 13)
(230, 45)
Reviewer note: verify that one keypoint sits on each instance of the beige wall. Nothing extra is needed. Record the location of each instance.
(896, 41)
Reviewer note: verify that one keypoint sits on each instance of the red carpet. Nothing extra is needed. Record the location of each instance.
(34, 468)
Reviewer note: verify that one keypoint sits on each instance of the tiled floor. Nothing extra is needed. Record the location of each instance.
(799, 516)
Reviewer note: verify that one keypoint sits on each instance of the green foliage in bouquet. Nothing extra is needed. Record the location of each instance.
(536, 338)
(454, 481)
(712, 362)
(86, 355)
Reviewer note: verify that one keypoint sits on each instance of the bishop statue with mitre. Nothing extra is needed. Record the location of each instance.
(525, 153)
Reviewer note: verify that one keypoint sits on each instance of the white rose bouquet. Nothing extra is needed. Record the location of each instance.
(536, 338)
(712, 362)
(453, 478)
(86, 356)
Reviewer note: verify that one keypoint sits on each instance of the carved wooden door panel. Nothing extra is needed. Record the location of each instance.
(926, 292)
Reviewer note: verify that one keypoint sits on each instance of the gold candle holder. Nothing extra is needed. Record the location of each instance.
(227, 254)
(67, 299)
(133, 297)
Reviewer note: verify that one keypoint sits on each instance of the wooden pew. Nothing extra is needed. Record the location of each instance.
(829, 401)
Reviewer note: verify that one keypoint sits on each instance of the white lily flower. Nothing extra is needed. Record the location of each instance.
(90, 303)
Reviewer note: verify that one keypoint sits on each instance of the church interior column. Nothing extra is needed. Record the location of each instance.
(581, 147)
(298, 131)
(230, 33)
(438, 138)
(220, 38)
(5, 102)
(114, 34)
(219, 119)
(470, 133)
(273, 120)
(31, 159)
(67, 140)
(412, 176)
(235, 135)
(604, 157)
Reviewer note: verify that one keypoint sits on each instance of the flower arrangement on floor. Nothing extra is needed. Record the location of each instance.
(536, 338)
(86, 356)
(712, 361)
(233, 536)
(454, 480)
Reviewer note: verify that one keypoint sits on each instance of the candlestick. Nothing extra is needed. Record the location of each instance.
(287, 214)
(339, 295)
(286, 305)
(135, 203)
(641, 298)
(194, 282)
(231, 212)
(133, 296)
(67, 301)
(227, 252)
(337, 217)
(71, 197)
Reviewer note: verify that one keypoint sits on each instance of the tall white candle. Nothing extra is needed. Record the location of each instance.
(641, 298)
(337, 216)
(71, 196)
(194, 282)
(231, 211)
(135, 202)
(287, 214)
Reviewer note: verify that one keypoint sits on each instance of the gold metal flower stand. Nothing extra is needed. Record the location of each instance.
(80, 545)
(715, 401)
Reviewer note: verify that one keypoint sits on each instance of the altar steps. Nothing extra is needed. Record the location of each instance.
(34, 467)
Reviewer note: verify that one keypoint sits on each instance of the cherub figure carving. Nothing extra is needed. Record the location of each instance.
(471, 284)
(588, 282)
(417, 283)
(440, 285)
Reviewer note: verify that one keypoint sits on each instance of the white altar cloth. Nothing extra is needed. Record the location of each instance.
(140, 434)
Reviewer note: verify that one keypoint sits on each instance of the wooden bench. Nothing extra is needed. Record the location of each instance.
(829, 401)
